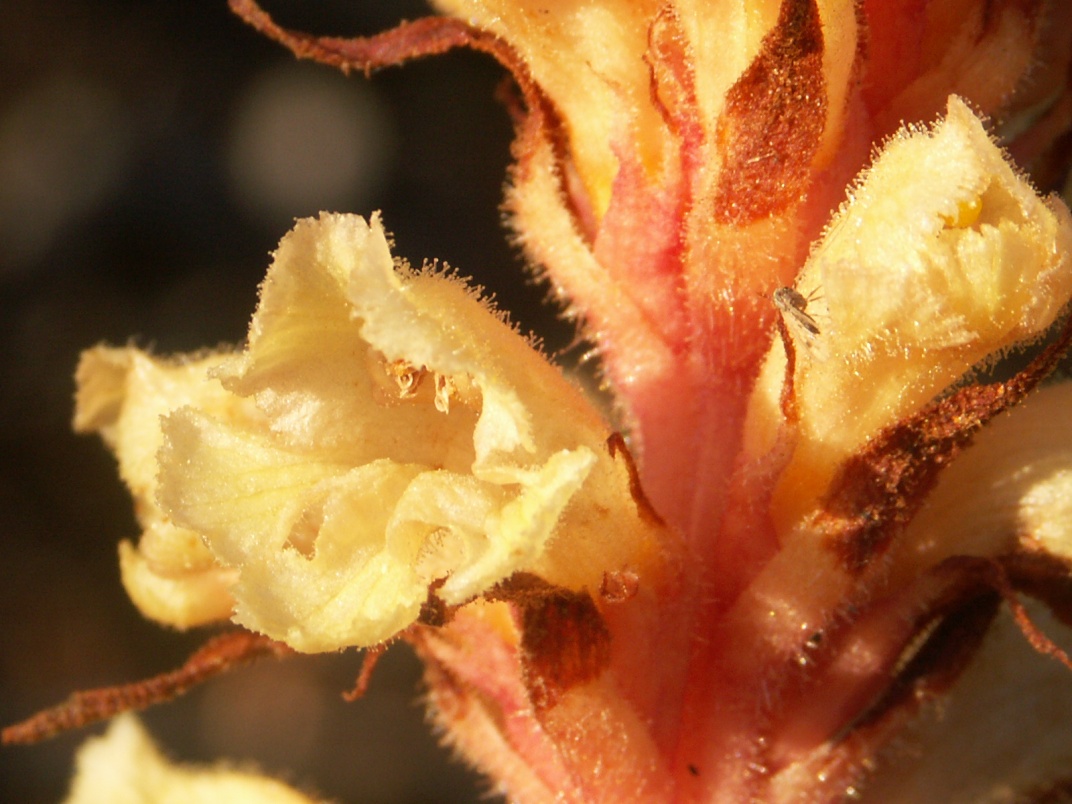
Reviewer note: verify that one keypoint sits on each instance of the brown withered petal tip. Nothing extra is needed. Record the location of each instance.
(434, 611)
(1044, 576)
(878, 490)
(935, 665)
(960, 621)
(219, 654)
(564, 640)
(618, 448)
(564, 643)
(369, 661)
(428, 36)
(774, 120)
(788, 399)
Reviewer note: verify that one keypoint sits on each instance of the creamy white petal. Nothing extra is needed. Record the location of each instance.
(124, 767)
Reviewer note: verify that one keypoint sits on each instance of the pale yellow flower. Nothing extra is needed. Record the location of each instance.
(798, 252)
(383, 440)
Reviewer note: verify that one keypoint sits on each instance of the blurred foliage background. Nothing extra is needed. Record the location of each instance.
(152, 154)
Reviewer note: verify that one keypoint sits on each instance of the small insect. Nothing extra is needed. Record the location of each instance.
(795, 305)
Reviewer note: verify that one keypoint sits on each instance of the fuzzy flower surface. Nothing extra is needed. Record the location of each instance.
(382, 432)
(801, 255)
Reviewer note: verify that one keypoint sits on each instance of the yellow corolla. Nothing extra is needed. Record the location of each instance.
(383, 440)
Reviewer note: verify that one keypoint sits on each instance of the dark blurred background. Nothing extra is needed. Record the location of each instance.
(151, 155)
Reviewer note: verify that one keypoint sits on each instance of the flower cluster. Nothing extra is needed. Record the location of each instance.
(798, 303)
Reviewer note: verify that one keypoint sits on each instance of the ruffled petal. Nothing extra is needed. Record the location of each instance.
(123, 394)
(382, 438)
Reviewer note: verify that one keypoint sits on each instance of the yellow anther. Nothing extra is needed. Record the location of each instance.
(967, 214)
